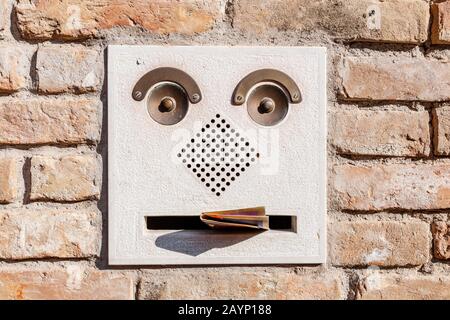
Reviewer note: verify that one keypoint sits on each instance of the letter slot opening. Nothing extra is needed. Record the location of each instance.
(285, 223)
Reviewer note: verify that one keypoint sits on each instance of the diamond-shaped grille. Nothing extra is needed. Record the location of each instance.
(218, 155)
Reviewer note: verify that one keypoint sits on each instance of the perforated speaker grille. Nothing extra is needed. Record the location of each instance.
(217, 155)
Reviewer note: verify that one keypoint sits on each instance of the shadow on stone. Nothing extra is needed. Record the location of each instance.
(196, 242)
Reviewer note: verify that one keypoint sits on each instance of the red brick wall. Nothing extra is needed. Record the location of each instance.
(389, 145)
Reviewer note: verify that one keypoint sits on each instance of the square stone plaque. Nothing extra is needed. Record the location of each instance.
(217, 157)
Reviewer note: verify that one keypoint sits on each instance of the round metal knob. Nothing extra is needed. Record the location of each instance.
(267, 105)
(167, 104)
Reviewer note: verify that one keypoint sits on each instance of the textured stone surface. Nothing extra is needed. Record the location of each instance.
(71, 282)
(390, 133)
(68, 69)
(70, 178)
(441, 239)
(290, 175)
(46, 233)
(239, 283)
(388, 21)
(391, 186)
(384, 132)
(46, 19)
(440, 30)
(441, 128)
(8, 179)
(49, 121)
(4, 17)
(395, 79)
(379, 243)
(382, 286)
(14, 69)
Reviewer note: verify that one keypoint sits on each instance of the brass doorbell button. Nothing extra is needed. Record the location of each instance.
(171, 90)
(267, 104)
(267, 93)
(167, 104)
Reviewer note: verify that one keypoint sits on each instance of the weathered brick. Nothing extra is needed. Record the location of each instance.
(47, 19)
(72, 282)
(409, 79)
(389, 133)
(49, 121)
(391, 186)
(440, 30)
(68, 69)
(379, 243)
(4, 17)
(441, 239)
(69, 178)
(8, 180)
(382, 286)
(360, 20)
(39, 233)
(239, 283)
(14, 69)
(441, 128)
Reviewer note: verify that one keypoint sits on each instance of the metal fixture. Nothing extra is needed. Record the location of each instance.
(268, 93)
(170, 92)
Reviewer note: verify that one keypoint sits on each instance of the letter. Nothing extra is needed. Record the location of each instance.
(181, 310)
(232, 309)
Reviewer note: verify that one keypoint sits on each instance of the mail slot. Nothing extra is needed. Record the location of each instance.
(197, 129)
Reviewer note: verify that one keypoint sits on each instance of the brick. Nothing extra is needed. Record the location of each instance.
(391, 186)
(69, 178)
(440, 29)
(387, 133)
(4, 17)
(379, 243)
(49, 121)
(14, 69)
(381, 286)
(51, 233)
(403, 21)
(71, 283)
(8, 180)
(238, 283)
(68, 69)
(441, 128)
(441, 239)
(55, 19)
(408, 79)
